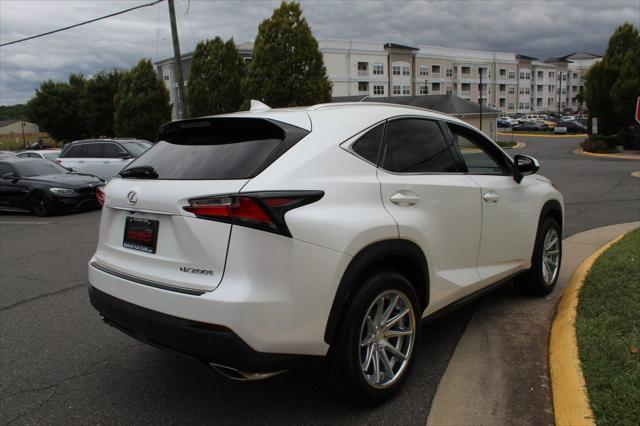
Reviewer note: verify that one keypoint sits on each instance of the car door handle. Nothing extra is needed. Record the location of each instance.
(405, 197)
(491, 197)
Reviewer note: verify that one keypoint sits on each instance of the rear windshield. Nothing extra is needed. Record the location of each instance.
(215, 148)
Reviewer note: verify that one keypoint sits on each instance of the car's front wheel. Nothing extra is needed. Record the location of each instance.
(373, 350)
(40, 204)
(545, 262)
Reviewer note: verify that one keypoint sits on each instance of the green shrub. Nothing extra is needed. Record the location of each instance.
(600, 144)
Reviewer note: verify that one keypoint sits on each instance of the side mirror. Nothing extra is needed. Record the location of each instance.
(10, 176)
(524, 165)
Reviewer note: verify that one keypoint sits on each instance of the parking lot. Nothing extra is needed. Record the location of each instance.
(60, 364)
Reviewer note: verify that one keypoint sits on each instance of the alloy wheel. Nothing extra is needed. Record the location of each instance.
(550, 256)
(387, 335)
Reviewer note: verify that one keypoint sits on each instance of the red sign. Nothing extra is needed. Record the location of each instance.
(638, 110)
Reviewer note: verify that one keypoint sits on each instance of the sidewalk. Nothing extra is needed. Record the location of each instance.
(499, 372)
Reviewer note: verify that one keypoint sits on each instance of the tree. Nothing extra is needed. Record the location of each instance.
(287, 68)
(96, 103)
(55, 108)
(14, 112)
(215, 80)
(613, 84)
(141, 103)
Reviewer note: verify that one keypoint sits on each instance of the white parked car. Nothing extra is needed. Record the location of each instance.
(568, 118)
(101, 157)
(47, 154)
(265, 240)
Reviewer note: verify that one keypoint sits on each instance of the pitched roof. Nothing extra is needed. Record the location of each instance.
(580, 55)
(525, 57)
(399, 46)
(447, 104)
(555, 60)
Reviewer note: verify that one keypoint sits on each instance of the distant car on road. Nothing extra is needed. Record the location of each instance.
(47, 154)
(504, 122)
(43, 187)
(102, 157)
(530, 126)
(572, 126)
(568, 118)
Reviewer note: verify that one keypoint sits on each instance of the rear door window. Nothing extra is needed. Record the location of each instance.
(217, 148)
(413, 145)
(111, 150)
(93, 150)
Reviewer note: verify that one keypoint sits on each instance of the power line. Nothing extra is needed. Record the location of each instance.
(82, 23)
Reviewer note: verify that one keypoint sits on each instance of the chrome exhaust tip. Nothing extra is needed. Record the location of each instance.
(235, 374)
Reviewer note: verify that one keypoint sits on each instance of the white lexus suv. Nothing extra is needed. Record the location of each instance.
(265, 240)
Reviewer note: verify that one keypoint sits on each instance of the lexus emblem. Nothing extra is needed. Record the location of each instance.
(131, 196)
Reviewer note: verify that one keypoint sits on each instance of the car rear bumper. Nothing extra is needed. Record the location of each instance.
(208, 343)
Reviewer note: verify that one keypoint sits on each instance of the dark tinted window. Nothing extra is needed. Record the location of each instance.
(4, 169)
(136, 148)
(416, 146)
(93, 150)
(111, 150)
(74, 152)
(479, 157)
(39, 168)
(368, 146)
(218, 148)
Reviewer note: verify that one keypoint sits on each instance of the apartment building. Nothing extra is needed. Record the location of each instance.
(512, 83)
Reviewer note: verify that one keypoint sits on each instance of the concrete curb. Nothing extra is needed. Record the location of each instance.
(579, 151)
(518, 145)
(538, 135)
(570, 400)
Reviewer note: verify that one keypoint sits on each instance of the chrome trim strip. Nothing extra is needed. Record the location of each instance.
(143, 281)
(130, 209)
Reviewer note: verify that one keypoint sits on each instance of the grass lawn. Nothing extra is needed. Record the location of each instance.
(608, 331)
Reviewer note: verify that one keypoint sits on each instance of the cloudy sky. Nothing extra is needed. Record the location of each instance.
(536, 28)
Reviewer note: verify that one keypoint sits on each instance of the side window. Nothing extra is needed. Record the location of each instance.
(476, 154)
(368, 146)
(416, 146)
(93, 150)
(4, 169)
(75, 152)
(111, 150)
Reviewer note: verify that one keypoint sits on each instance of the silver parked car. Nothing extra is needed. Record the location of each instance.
(102, 157)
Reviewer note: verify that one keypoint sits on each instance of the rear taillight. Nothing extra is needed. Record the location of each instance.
(259, 210)
(100, 195)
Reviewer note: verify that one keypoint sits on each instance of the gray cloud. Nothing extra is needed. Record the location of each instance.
(536, 28)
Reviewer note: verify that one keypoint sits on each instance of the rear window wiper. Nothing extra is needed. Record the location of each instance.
(147, 172)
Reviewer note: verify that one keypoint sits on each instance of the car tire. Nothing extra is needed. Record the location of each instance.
(364, 336)
(40, 204)
(546, 260)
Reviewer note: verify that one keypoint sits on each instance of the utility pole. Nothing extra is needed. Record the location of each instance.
(480, 71)
(24, 144)
(183, 111)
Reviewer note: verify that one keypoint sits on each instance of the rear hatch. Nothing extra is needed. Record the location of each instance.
(145, 232)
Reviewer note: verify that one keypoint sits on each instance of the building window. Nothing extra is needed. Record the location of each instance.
(521, 105)
(521, 75)
(502, 102)
(465, 70)
(405, 70)
(423, 89)
(378, 89)
(435, 87)
(540, 88)
(564, 77)
(512, 106)
(424, 70)
(449, 91)
(166, 77)
(396, 90)
(503, 88)
(466, 87)
(512, 90)
(539, 102)
(540, 74)
(363, 66)
(512, 75)
(549, 101)
(503, 72)
(396, 70)
(363, 86)
(406, 90)
(527, 76)
(435, 69)
(378, 69)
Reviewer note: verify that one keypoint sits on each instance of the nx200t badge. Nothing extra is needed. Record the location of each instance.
(198, 271)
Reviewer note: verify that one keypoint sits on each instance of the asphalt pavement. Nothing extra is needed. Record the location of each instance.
(60, 364)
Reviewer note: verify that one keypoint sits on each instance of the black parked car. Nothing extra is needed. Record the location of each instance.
(572, 126)
(44, 187)
(534, 126)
